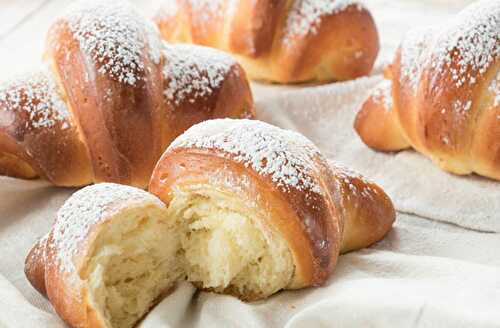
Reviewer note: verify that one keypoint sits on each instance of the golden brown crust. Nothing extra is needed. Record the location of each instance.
(286, 211)
(445, 95)
(279, 41)
(318, 208)
(120, 152)
(67, 251)
(312, 222)
(37, 137)
(486, 145)
(61, 288)
(375, 123)
(251, 30)
(405, 102)
(345, 47)
(13, 162)
(100, 113)
(65, 290)
(34, 266)
(368, 211)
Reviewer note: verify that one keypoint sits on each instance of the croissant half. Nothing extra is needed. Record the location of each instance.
(246, 209)
(111, 99)
(279, 40)
(441, 95)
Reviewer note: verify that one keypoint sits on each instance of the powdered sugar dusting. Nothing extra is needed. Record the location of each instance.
(461, 107)
(346, 176)
(35, 96)
(413, 54)
(115, 36)
(287, 157)
(469, 44)
(87, 208)
(305, 15)
(382, 95)
(193, 71)
(494, 87)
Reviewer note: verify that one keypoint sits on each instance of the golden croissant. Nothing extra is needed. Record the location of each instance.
(111, 99)
(236, 207)
(441, 95)
(278, 40)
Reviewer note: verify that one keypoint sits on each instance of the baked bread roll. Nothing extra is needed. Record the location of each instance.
(111, 99)
(441, 95)
(250, 209)
(109, 257)
(278, 40)
(296, 211)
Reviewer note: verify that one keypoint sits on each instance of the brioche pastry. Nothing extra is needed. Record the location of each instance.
(441, 95)
(279, 41)
(251, 209)
(111, 98)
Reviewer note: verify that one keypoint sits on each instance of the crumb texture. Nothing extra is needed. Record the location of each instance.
(227, 249)
(128, 250)
(132, 265)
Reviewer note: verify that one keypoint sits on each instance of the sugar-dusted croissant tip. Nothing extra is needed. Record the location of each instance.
(445, 94)
(111, 98)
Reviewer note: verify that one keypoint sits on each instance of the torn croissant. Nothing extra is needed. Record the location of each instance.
(111, 98)
(442, 96)
(236, 206)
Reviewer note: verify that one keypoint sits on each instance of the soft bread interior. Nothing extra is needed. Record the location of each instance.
(132, 265)
(206, 236)
(226, 248)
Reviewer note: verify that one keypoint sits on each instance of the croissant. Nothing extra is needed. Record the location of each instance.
(250, 209)
(441, 95)
(277, 40)
(111, 99)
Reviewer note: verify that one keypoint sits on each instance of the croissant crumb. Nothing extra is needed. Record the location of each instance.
(206, 236)
(133, 262)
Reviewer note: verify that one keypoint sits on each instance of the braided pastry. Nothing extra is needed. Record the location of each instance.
(111, 99)
(442, 95)
(278, 40)
(251, 209)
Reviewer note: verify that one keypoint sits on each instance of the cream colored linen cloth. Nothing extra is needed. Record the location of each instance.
(438, 267)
